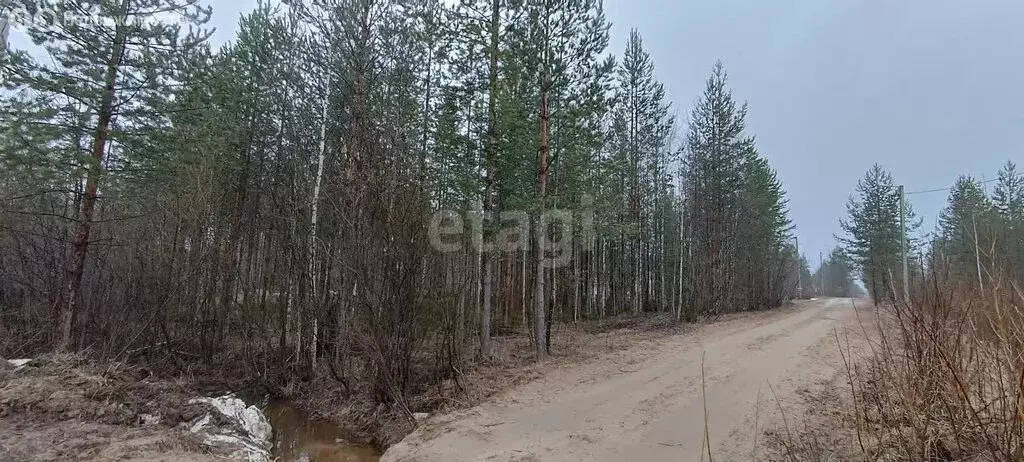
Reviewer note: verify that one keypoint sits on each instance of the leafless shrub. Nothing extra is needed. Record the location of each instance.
(946, 378)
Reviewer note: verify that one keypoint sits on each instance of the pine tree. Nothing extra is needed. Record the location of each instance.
(805, 280)
(836, 274)
(965, 226)
(116, 71)
(873, 236)
(1008, 200)
(567, 39)
(638, 138)
(484, 44)
(713, 179)
(763, 232)
(1008, 196)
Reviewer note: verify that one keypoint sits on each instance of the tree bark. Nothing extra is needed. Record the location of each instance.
(80, 244)
(490, 152)
(539, 294)
(314, 216)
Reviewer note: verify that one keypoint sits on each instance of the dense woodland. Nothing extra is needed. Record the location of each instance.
(270, 200)
(981, 230)
(979, 240)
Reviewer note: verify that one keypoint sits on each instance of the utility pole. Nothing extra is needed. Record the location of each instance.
(799, 270)
(821, 270)
(977, 250)
(903, 243)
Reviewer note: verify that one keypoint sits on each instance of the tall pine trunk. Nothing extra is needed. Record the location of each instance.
(542, 185)
(490, 152)
(80, 244)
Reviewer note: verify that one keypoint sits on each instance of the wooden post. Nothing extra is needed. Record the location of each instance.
(903, 243)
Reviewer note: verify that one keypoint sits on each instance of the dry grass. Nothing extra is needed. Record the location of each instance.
(64, 386)
(67, 407)
(512, 363)
(943, 380)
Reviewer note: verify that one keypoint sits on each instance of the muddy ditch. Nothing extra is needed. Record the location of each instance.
(65, 407)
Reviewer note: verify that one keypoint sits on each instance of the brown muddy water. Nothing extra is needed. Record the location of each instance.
(300, 438)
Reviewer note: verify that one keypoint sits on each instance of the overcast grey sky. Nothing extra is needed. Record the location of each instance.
(930, 89)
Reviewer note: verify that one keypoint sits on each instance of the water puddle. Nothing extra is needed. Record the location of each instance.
(299, 438)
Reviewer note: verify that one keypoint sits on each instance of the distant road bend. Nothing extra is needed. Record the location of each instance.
(645, 403)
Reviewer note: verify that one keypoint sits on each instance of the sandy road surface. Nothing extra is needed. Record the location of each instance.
(645, 403)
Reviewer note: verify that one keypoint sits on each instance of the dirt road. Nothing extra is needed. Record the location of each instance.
(646, 402)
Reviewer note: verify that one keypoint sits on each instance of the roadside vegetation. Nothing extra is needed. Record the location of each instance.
(944, 377)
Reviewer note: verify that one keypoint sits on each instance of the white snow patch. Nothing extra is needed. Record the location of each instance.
(200, 424)
(251, 442)
(19, 363)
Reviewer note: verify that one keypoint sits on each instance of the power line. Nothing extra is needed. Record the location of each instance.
(911, 193)
(950, 188)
